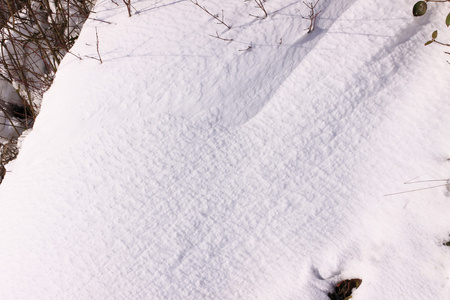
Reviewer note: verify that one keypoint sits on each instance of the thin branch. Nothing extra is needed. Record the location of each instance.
(410, 191)
(92, 57)
(128, 5)
(77, 56)
(220, 38)
(247, 49)
(431, 180)
(312, 15)
(98, 52)
(440, 43)
(10, 121)
(212, 15)
(103, 21)
(260, 5)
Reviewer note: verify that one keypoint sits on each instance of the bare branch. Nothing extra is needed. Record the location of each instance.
(260, 5)
(312, 15)
(247, 49)
(128, 5)
(98, 52)
(215, 16)
(220, 38)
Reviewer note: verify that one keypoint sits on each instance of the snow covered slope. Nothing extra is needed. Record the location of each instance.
(184, 168)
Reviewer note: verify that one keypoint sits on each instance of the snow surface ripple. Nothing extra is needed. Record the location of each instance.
(183, 168)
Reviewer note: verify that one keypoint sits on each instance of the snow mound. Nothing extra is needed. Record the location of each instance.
(184, 168)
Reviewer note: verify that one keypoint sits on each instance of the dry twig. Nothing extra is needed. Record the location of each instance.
(215, 16)
(128, 5)
(220, 38)
(312, 15)
(247, 49)
(260, 5)
(98, 52)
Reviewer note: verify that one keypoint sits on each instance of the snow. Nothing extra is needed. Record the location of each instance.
(184, 168)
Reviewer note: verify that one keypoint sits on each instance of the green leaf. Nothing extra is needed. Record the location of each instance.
(419, 9)
(434, 34)
(427, 43)
(447, 21)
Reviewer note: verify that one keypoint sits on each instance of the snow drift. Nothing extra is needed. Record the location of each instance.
(184, 168)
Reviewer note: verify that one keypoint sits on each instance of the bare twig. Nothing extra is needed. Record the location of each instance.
(10, 121)
(312, 15)
(92, 57)
(260, 5)
(220, 38)
(77, 56)
(416, 190)
(128, 5)
(247, 49)
(430, 180)
(103, 21)
(98, 52)
(215, 16)
(446, 184)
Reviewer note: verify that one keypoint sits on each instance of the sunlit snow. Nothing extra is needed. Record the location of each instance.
(189, 167)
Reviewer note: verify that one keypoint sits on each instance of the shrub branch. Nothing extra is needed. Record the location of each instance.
(260, 5)
(215, 16)
(312, 17)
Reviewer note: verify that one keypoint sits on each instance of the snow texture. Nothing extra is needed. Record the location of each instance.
(184, 168)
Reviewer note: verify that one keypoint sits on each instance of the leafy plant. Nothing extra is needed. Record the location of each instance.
(420, 8)
(433, 39)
